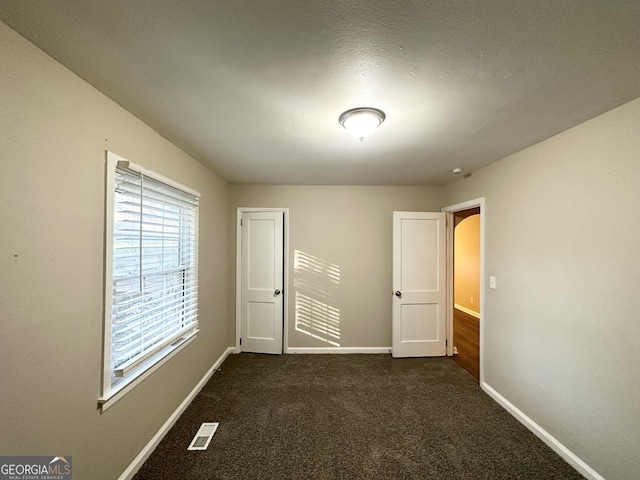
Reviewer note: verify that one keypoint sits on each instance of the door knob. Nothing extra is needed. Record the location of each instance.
(398, 293)
(276, 293)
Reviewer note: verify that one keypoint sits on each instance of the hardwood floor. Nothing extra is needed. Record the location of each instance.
(466, 338)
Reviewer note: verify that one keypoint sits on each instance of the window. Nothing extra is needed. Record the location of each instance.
(151, 294)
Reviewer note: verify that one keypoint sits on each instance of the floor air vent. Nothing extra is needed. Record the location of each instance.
(203, 437)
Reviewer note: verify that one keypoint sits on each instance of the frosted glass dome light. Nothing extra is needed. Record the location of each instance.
(361, 122)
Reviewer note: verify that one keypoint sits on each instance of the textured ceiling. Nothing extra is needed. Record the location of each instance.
(254, 89)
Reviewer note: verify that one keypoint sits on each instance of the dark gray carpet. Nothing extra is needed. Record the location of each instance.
(350, 416)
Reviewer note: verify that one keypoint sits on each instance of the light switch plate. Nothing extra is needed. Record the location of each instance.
(492, 282)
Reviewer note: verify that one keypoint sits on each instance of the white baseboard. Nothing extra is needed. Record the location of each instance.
(153, 443)
(466, 310)
(571, 458)
(339, 350)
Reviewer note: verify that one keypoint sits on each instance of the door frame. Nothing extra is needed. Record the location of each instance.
(458, 207)
(285, 273)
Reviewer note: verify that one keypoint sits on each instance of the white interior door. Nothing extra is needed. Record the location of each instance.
(419, 284)
(262, 285)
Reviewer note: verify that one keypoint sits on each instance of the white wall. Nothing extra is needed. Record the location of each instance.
(562, 329)
(54, 129)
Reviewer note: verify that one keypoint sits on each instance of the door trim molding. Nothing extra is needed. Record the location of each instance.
(285, 278)
(458, 207)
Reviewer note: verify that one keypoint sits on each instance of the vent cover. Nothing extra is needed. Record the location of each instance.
(203, 437)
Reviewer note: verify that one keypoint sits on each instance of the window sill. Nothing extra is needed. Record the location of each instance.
(141, 372)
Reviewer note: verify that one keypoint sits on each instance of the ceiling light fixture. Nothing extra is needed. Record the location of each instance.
(361, 122)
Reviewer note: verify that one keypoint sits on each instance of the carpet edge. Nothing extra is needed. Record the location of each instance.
(338, 350)
(148, 449)
(571, 458)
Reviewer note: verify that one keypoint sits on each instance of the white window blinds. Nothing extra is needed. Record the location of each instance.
(154, 298)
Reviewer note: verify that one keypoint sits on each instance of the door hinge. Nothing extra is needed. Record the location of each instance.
(240, 341)
(446, 343)
(240, 222)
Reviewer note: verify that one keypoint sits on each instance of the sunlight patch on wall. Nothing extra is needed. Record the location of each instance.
(317, 319)
(306, 263)
(316, 282)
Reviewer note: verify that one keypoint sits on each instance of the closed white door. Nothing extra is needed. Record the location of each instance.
(262, 282)
(419, 284)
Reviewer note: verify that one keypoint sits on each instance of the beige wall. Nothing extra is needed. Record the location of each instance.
(349, 230)
(54, 129)
(562, 336)
(466, 285)
(561, 333)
